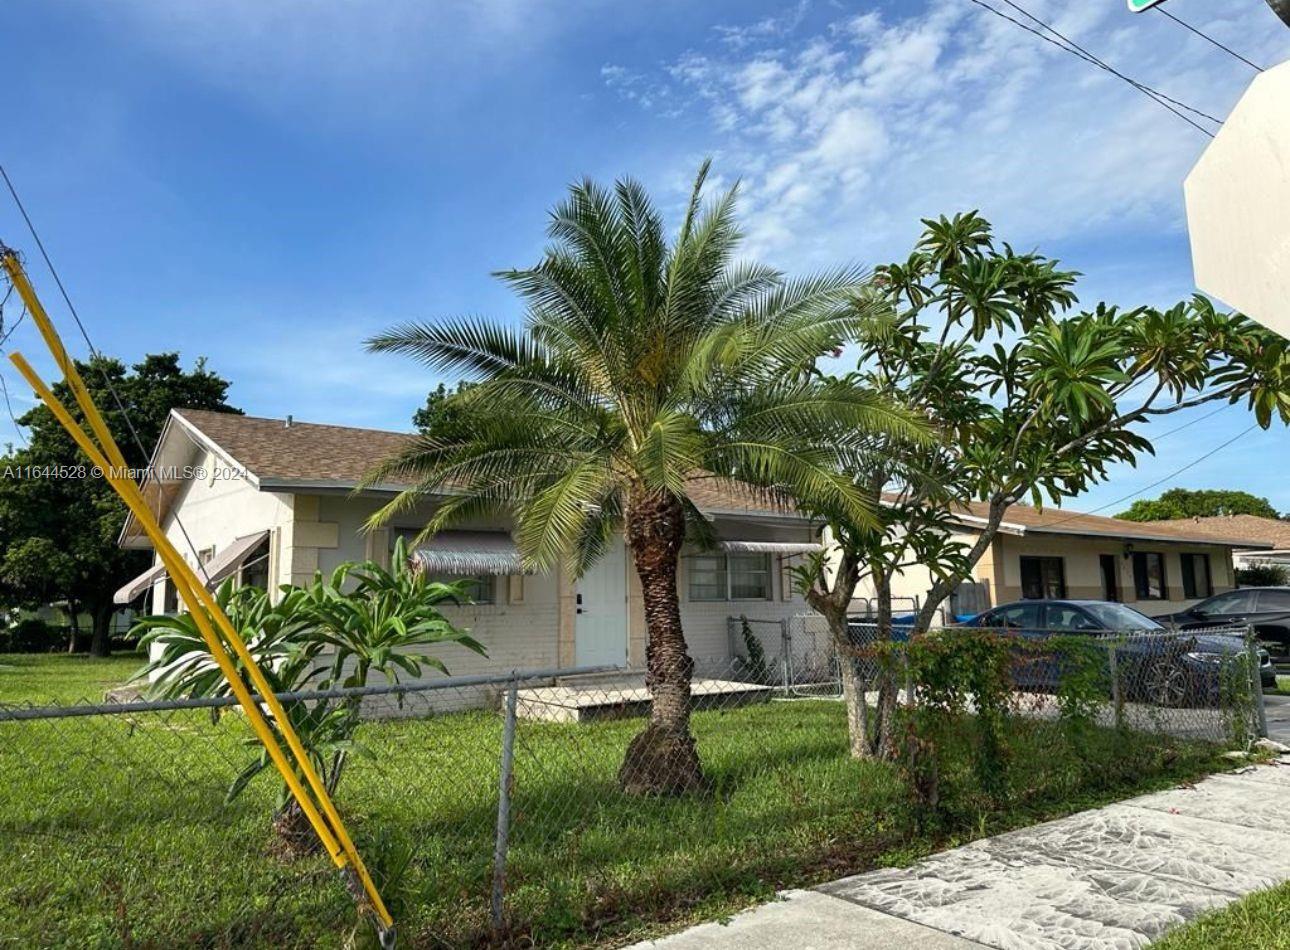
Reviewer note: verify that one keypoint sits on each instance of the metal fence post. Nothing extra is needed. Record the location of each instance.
(1256, 684)
(504, 809)
(785, 652)
(1117, 696)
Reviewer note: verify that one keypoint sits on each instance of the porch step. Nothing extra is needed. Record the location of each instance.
(583, 702)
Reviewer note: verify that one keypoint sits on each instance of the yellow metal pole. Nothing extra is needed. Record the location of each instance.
(198, 598)
(191, 601)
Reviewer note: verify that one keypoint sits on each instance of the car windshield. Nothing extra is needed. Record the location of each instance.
(1120, 617)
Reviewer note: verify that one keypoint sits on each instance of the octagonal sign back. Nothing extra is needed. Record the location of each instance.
(1238, 205)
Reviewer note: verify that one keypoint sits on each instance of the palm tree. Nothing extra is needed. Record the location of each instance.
(641, 367)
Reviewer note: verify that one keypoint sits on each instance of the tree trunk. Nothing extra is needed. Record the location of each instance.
(662, 759)
(833, 605)
(882, 742)
(100, 639)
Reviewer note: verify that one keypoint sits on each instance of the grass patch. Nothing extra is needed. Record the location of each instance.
(116, 830)
(61, 678)
(1260, 920)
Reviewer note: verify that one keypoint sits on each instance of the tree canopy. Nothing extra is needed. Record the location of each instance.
(1198, 503)
(58, 524)
(1031, 403)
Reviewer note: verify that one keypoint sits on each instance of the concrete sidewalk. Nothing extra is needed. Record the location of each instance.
(1109, 879)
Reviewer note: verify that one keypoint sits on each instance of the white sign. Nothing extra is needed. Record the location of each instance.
(1238, 205)
(1137, 6)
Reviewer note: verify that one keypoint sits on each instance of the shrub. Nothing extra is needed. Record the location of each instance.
(1263, 575)
(33, 635)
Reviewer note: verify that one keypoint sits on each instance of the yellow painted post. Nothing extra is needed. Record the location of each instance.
(199, 601)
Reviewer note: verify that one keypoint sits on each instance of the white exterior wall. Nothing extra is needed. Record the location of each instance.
(215, 513)
(532, 622)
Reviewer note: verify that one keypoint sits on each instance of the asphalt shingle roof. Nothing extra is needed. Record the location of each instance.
(312, 454)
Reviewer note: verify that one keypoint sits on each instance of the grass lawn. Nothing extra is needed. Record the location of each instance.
(115, 831)
(1261, 920)
(59, 678)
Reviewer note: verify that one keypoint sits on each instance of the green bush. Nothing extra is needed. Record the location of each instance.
(1263, 575)
(33, 635)
(957, 742)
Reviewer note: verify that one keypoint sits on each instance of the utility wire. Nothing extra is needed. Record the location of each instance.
(1192, 464)
(1102, 64)
(1209, 39)
(1068, 46)
(107, 380)
(17, 426)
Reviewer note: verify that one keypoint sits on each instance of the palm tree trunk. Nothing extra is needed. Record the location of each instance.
(662, 759)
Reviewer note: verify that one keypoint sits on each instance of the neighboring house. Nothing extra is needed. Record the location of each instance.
(1053, 553)
(1268, 539)
(271, 501)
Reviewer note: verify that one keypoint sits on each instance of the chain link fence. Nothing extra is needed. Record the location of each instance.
(488, 808)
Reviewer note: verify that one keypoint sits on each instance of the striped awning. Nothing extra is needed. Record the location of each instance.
(786, 548)
(226, 563)
(140, 584)
(469, 553)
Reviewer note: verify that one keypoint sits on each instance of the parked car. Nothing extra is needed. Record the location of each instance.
(1266, 609)
(1161, 667)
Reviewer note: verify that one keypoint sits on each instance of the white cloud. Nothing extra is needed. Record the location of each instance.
(847, 135)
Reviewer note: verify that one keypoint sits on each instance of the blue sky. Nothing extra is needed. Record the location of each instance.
(267, 182)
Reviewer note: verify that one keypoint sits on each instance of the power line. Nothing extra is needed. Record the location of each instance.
(1208, 415)
(1209, 39)
(1102, 64)
(1069, 46)
(1192, 464)
(17, 426)
(107, 380)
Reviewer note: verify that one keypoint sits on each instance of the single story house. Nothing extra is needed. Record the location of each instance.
(271, 501)
(1268, 539)
(1054, 553)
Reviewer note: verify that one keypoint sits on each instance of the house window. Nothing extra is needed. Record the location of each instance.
(721, 577)
(170, 598)
(1195, 575)
(478, 588)
(1043, 578)
(1149, 575)
(255, 569)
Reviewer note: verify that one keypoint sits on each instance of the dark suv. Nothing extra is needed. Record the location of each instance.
(1266, 609)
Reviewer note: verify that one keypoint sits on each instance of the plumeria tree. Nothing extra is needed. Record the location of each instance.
(1029, 404)
(644, 366)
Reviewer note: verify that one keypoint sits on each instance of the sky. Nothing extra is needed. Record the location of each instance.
(266, 183)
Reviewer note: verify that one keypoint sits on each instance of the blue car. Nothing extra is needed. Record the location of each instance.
(1160, 665)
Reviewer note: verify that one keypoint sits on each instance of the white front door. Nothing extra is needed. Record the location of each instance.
(601, 596)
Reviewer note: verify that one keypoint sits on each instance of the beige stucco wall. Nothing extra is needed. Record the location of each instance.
(520, 629)
(1000, 568)
(1083, 573)
(531, 623)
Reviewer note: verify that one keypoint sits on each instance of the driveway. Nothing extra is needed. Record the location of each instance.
(1114, 878)
(1277, 709)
